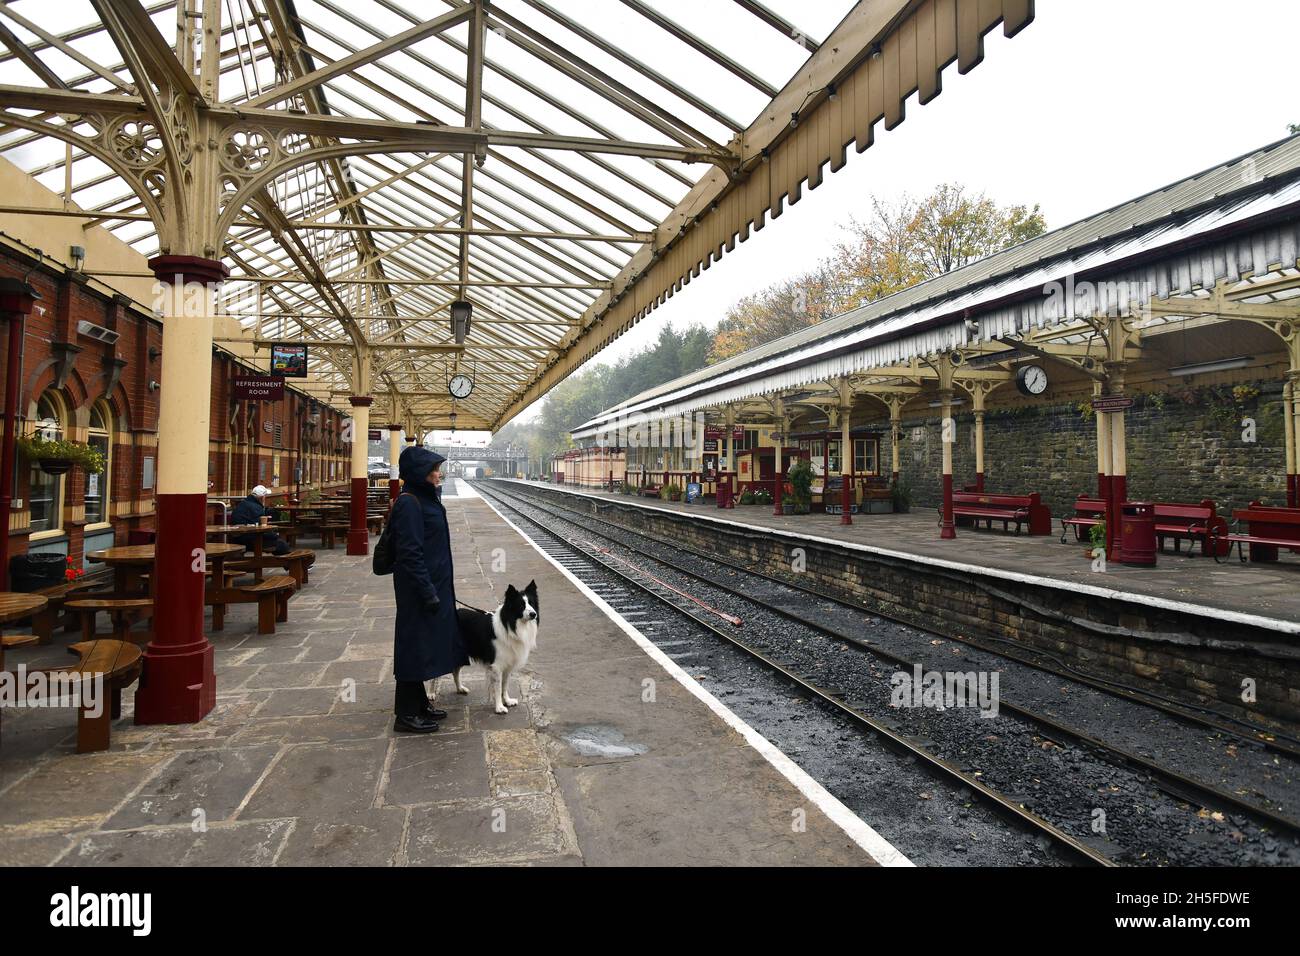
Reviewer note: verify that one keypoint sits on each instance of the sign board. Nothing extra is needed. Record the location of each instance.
(374, 434)
(1112, 403)
(710, 444)
(692, 491)
(715, 432)
(257, 388)
(289, 361)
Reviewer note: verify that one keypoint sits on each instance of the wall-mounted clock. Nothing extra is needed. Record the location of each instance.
(1031, 379)
(460, 386)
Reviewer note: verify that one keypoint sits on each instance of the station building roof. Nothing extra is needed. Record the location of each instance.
(1238, 221)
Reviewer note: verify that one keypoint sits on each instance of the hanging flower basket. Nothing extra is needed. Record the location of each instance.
(57, 457)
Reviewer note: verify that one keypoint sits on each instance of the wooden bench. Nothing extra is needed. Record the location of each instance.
(123, 612)
(296, 563)
(271, 597)
(329, 531)
(1022, 509)
(1088, 511)
(1275, 528)
(1194, 522)
(648, 491)
(56, 596)
(118, 664)
(375, 522)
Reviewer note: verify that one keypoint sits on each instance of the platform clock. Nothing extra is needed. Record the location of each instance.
(1031, 379)
(460, 386)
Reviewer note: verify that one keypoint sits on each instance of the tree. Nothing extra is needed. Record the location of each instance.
(912, 241)
(776, 311)
(899, 245)
(581, 397)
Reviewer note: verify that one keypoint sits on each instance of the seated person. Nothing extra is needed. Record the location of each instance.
(250, 511)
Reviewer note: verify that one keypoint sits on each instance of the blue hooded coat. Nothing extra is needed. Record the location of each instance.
(426, 643)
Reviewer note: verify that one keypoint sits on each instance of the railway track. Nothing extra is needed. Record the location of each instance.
(1270, 740)
(1174, 784)
(580, 556)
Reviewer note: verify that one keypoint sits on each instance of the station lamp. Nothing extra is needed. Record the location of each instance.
(461, 313)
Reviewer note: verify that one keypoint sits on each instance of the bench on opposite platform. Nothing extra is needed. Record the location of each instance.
(1022, 509)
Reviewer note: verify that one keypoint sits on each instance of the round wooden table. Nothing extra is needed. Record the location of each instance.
(131, 562)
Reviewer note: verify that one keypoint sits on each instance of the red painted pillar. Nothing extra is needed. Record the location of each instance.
(947, 429)
(16, 301)
(1292, 490)
(177, 684)
(777, 483)
(358, 534)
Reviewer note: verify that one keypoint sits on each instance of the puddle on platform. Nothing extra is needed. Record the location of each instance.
(598, 741)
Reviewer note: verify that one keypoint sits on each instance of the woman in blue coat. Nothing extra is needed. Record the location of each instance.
(426, 641)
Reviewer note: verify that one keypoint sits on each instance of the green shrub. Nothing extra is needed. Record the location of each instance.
(36, 448)
(801, 479)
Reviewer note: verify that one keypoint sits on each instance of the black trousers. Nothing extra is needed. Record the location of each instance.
(409, 699)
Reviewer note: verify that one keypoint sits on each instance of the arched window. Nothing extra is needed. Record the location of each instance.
(46, 491)
(101, 439)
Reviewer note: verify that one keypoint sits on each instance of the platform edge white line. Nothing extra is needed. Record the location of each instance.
(857, 829)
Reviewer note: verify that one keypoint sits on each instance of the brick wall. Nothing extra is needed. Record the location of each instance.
(84, 371)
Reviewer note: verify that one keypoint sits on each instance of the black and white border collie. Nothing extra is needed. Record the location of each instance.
(501, 641)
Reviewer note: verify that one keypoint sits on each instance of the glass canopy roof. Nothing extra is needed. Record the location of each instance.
(531, 235)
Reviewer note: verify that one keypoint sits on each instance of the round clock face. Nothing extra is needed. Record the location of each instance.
(1032, 379)
(461, 386)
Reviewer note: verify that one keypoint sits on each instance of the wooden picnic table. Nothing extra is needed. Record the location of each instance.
(130, 564)
(14, 606)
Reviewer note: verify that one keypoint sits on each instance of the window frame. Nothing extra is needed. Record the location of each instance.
(107, 433)
(59, 499)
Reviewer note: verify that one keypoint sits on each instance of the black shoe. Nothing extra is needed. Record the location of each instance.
(434, 713)
(415, 725)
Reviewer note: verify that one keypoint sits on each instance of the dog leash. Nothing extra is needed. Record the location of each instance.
(470, 607)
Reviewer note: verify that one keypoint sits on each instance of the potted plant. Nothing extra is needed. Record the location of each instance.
(901, 496)
(787, 504)
(747, 497)
(801, 479)
(762, 497)
(1096, 540)
(57, 456)
(70, 572)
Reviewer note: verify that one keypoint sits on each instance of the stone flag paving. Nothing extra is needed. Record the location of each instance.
(299, 765)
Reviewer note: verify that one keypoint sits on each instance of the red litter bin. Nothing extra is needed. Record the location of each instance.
(1137, 533)
(724, 492)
